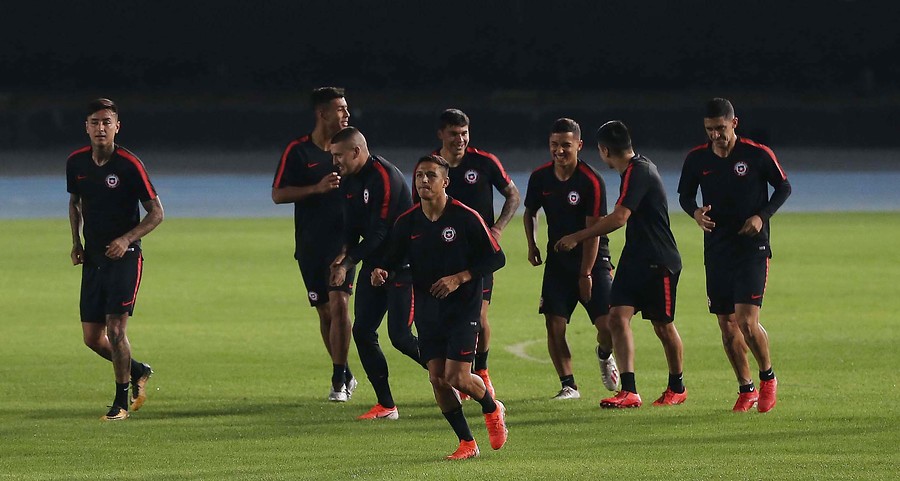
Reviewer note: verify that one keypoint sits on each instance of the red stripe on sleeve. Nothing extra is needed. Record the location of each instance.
(141, 170)
(493, 159)
(284, 155)
(768, 151)
(487, 231)
(414, 207)
(699, 147)
(597, 190)
(625, 184)
(386, 182)
(80, 151)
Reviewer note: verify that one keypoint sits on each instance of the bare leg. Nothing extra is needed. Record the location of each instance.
(671, 341)
(735, 347)
(622, 337)
(324, 312)
(459, 375)
(484, 337)
(604, 336)
(557, 345)
(120, 347)
(340, 332)
(94, 334)
(756, 337)
(443, 391)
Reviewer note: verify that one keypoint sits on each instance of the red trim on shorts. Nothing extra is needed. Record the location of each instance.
(386, 181)
(768, 151)
(141, 170)
(625, 182)
(487, 231)
(412, 307)
(137, 282)
(667, 288)
(598, 192)
(284, 155)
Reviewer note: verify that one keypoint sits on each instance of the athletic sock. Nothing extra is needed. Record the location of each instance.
(603, 354)
(676, 382)
(347, 374)
(746, 388)
(338, 379)
(121, 395)
(459, 424)
(628, 382)
(487, 403)
(383, 391)
(480, 361)
(767, 375)
(568, 381)
(137, 369)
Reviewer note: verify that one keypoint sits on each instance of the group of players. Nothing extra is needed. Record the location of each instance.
(428, 256)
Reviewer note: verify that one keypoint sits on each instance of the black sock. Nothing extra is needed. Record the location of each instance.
(137, 369)
(746, 388)
(568, 381)
(676, 382)
(603, 354)
(458, 422)
(628, 382)
(767, 375)
(121, 395)
(338, 379)
(383, 391)
(480, 361)
(487, 403)
(347, 374)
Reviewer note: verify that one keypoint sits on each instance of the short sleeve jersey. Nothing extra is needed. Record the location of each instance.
(737, 188)
(459, 240)
(375, 196)
(110, 196)
(566, 205)
(473, 181)
(318, 219)
(648, 236)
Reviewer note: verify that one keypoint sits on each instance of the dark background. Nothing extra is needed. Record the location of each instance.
(234, 75)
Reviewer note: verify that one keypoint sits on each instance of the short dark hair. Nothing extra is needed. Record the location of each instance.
(454, 117)
(564, 125)
(719, 107)
(323, 95)
(614, 136)
(344, 134)
(102, 104)
(437, 159)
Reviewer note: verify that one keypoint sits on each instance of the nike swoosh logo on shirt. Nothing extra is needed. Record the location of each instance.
(707, 172)
(313, 164)
(546, 193)
(349, 196)
(415, 236)
(80, 177)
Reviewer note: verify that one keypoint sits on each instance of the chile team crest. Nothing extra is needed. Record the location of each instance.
(471, 176)
(741, 168)
(448, 234)
(574, 198)
(112, 181)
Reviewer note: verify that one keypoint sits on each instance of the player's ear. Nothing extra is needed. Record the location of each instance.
(580, 144)
(734, 122)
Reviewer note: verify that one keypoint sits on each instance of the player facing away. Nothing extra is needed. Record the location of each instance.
(106, 185)
(474, 174)
(375, 193)
(573, 196)
(450, 250)
(733, 174)
(306, 177)
(649, 268)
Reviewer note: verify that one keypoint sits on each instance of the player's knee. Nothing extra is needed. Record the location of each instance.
(362, 334)
(438, 380)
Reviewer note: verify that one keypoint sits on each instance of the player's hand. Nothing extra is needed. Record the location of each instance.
(534, 256)
(445, 286)
(77, 254)
(116, 249)
(565, 244)
(496, 233)
(752, 226)
(703, 220)
(329, 182)
(379, 276)
(338, 275)
(585, 286)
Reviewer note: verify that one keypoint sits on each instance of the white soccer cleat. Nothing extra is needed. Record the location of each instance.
(351, 386)
(567, 392)
(339, 396)
(609, 372)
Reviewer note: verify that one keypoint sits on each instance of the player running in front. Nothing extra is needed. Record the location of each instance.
(450, 249)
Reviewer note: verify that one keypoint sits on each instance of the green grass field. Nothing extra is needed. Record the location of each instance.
(241, 373)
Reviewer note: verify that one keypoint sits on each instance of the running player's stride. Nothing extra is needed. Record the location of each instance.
(450, 249)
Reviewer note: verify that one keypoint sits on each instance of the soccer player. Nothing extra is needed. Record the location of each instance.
(450, 250)
(573, 195)
(306, 178)
(734, 174)
(649, 268)
(474, 174)
(106, 182)
(375, 194)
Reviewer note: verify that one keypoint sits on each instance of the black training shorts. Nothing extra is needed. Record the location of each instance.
(560, 295)
(730, 282)
(649, 288)
(110, 286)
(447, 329)
(316, 272)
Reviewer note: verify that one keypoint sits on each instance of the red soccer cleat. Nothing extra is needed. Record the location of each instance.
(768, 394)
(496, 426)
(671, 398)
(483, 374)
(381, 412)
(622, 399)
(745, 401)
(466, 450)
